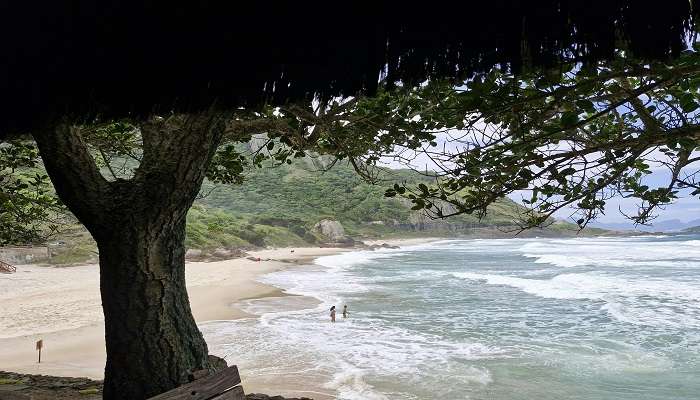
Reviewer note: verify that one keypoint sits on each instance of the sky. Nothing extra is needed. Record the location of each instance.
(685, 209)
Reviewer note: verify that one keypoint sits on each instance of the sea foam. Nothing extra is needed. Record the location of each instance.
(458, 318)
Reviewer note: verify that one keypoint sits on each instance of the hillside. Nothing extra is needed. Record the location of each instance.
(672, 225)
(279, 206)
(305, 193)
(694, 229)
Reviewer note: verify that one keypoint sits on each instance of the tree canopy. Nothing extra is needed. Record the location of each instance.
(29, 210)
(183, 83)
(567, 138)
(118, 59)
(574, 137)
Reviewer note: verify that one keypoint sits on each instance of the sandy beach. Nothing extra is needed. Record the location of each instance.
(62, 307)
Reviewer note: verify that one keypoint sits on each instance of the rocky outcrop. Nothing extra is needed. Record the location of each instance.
(193, 254)
(214, 255)
(373, 247)
(14, 386)
(18, 255)
(332, 231)
(217, 363)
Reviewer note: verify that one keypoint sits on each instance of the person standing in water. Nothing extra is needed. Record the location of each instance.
(333, 314)
(345, 311)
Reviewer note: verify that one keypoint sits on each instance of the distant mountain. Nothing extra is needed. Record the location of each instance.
(695, 229)
(671, 225)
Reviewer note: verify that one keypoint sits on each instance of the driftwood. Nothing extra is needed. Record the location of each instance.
(7, 268)
(221, 385)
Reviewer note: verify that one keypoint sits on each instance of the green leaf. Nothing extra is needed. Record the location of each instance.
(688, 103)
(569, 119)
(585, 105)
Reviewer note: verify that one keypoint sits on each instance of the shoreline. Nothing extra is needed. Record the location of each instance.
(62, 306)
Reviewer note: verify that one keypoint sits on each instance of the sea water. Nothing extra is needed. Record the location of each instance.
(581, 318)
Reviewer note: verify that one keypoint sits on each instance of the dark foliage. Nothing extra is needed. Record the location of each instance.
(114, 59)
(29, 211)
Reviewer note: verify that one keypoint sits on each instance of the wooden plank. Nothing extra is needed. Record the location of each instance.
(233, 394)
(197, 375)
(206, 388)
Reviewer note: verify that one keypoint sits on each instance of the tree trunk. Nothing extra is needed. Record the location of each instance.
(152, 340)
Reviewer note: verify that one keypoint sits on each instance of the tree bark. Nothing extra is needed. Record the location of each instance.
(151, 337)
(152, 340)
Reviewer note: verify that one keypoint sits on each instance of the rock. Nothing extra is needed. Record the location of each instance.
(331, 230)
(12, 388)
(221, 253)
(217, 363)
(59, 385)
(43, 387)
(373, 247)
(193, 254)
(224, 254)
(13, 396)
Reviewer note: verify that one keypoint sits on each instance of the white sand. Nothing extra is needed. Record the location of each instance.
(62, 306)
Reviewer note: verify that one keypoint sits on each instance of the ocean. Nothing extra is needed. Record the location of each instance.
(498, 319)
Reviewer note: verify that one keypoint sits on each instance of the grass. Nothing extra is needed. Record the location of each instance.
(77, 248)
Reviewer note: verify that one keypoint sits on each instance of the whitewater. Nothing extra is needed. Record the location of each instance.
(576, 318)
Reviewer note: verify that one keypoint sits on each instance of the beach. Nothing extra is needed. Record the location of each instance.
(62, 307)
(506, 319)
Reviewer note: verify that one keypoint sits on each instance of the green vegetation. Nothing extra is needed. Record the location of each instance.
(75, 246)
(29, 210)
(279, 207)
(211, 228)
(295, 197)
(572, 139)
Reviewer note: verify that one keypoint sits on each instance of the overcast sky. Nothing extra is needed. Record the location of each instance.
(685, 209)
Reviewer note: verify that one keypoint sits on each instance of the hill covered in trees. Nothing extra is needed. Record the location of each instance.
(280, 206)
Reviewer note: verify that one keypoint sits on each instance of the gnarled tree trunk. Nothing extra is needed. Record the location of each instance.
(152, 340)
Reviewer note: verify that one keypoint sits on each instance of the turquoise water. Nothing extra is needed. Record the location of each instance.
(600, 318)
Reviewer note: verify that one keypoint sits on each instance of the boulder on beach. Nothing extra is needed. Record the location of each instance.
(331, 230)
(193, 254)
